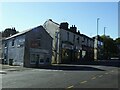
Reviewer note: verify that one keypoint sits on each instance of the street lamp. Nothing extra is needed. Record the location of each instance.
(97, 24)
(104, 45)
(104, 30)
(97, 38)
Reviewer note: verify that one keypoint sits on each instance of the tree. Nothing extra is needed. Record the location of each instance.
(117, 42)
(8, 32)
(109, 47)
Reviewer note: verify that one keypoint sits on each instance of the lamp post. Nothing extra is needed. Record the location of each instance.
(104, 30)
(97, 39)
(104, 45)
(97, 24)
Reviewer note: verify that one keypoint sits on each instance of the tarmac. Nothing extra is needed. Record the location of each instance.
(8, 68)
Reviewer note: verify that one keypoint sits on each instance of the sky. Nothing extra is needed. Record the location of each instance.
(25, 15)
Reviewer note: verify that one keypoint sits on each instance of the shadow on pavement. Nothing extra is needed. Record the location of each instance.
(113, 63)
(70, 68)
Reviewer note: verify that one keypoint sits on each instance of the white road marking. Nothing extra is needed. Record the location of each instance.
(94, 78)
(100, 75)
(83, 82)
(70, 86)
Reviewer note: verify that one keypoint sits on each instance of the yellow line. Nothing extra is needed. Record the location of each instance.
(70, 86)
(100, 75)
(94, 78)
(83, 82)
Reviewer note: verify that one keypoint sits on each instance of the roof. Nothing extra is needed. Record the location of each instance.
(53, 21)
(70, 30)
(21, 33)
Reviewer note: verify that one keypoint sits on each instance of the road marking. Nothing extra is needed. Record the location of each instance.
(100, 75)
(70, 86)
(106, 73)
(94, 78)
(83, 82)
(112, 71)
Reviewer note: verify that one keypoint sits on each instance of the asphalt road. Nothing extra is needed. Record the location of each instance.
(64, 76)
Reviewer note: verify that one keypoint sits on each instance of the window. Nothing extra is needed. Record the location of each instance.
(38, 42)
(67, 36)
(13, 41)
(21, 42)
(78, 40)
(41, 58)
(6, 44)
(83, 39)
(47, 60)
(73, 38)
(32, 58)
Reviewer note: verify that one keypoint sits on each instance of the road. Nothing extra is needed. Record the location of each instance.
(64, 76)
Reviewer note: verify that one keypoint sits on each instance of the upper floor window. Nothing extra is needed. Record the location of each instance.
(73, 38)
(83, 39)
(6, 44)
(78, 40)
(67, 36)
(13, 42)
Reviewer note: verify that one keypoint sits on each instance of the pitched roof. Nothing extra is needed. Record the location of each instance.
(21, 33)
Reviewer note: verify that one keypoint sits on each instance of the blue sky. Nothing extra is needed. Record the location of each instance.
(25, 15)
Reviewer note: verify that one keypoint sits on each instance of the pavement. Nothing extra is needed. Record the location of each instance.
(8, 68)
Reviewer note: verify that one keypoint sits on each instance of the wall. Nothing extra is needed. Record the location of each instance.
(16, 52)
(53, 29)
(40, 34)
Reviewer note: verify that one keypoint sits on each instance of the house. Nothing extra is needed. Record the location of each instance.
(29, 48)
(68, 44)
(87, 48)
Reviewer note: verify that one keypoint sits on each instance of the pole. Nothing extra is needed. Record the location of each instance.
(104, 30)
(97, 38)
(97, 24)
(104, 44)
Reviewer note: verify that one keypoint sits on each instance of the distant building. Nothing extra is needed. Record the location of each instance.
(29, 48)
(68, 44)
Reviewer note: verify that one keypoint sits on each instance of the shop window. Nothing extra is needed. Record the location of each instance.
(32, 58)
(41, 58)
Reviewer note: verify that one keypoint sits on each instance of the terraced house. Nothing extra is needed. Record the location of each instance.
(69, 45)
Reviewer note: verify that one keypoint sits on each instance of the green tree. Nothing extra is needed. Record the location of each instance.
(117, 42)
(109, 47)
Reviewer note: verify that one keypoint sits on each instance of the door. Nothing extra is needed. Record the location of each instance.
(37, 60)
